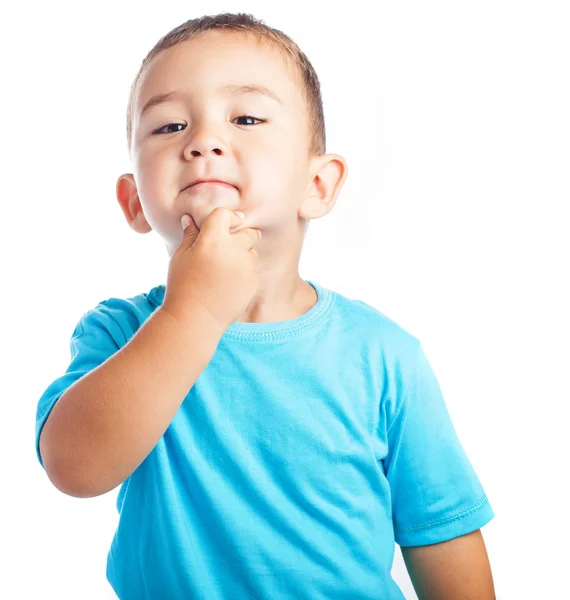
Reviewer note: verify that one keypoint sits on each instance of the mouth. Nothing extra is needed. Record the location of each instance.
(203, 182)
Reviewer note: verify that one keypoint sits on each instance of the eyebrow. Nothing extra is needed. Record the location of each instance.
(230, 89)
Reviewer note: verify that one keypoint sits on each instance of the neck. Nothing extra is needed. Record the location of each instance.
(282, 294)
(279, 298)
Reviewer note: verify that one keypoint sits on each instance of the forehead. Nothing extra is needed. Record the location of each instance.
(216, 59)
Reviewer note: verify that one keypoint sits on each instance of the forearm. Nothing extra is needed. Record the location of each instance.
(104, 426)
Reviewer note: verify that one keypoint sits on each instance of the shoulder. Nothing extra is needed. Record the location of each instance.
(373, 327)
(121, 317)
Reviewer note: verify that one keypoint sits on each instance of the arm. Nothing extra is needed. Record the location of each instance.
(458, 569)
(105, 424)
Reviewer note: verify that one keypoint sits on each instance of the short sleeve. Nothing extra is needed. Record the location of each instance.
(436, 494)
(95, 338)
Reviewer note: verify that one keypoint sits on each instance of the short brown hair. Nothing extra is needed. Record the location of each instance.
(247, 23)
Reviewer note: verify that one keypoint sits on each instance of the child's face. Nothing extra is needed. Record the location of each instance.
(268, 162)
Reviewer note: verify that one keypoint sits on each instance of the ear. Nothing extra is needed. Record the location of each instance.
(328, 173)
(128, 198)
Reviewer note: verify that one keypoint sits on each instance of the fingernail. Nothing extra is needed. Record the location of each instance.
(240, 214)
(185, 220)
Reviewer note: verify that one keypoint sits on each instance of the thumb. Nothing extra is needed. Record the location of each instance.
(190, 230)
(188, 224)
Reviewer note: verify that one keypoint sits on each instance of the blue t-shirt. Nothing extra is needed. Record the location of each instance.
(303, 452)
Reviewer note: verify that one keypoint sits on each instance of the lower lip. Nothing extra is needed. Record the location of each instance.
(211, 183)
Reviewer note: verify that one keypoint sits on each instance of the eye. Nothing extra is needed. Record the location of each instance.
(161, 130)
(169, 125)
(250, 117)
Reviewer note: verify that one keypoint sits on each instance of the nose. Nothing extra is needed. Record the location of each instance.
(194, 152)
(204, 142)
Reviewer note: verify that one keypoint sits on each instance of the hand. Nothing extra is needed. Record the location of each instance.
(214, 268)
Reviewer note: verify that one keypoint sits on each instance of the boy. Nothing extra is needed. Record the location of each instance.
(272, 439)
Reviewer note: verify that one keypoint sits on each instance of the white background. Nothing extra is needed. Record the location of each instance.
(454, 118)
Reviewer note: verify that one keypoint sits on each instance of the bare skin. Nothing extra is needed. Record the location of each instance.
(458, 569)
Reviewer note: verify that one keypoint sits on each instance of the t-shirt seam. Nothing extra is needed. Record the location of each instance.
(449, 519)
(285, 332)
(78, 330)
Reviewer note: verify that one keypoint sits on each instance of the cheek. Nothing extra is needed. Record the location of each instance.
(157, 187)
(275, 188)
(155, 168)
(274, 169)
